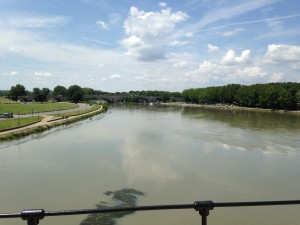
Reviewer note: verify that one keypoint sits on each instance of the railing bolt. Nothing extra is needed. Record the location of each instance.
(33, 216)
(203, 208)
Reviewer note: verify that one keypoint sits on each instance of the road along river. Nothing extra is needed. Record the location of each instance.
(173, 155)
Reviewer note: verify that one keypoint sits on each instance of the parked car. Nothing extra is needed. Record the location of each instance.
(8, 115)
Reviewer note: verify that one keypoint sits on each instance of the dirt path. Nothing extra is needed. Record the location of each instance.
(45, 121)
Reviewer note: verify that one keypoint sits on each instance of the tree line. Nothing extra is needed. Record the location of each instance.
(74, 93)
(272, 95)
(284, 96)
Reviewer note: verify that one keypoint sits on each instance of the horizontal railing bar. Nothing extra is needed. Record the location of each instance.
(118, 209)
(10, 215)
(261, 203)
(196, 205)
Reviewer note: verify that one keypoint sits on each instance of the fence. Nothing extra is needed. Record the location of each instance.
(33, 216)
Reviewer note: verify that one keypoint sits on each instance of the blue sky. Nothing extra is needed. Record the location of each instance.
(128, 45)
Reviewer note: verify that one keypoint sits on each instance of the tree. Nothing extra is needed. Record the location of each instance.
(60, 90)
(40, 95)
(88, 93)
(75, 93)
(16, 91)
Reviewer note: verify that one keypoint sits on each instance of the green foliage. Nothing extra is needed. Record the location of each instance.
(40, 95)
(75, 93)
(16, 91)
(60, 91)
(272, 96)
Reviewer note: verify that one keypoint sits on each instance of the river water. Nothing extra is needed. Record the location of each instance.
(173, 155)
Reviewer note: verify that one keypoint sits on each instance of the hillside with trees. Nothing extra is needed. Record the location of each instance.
(284, 96)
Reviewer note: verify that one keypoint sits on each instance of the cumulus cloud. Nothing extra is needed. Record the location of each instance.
(148, 32)
(189, 34)
(101, 65)
(181, 64)
(179, 43)
(13, 73)
(115, 76)
(212, 48)
(252, 71)
(162, 4)
(282, 53)
(276, 77)
(41, 74)
(14, 49)
(102, 25)
(132, 41)
(230, 58)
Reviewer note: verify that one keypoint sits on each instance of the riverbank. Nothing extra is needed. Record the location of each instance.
(230, 107)
(47, 123)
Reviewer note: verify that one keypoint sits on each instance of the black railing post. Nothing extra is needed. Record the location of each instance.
(33, 216)
(203, 208)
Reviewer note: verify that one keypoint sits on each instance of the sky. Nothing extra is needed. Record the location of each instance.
(125, 45)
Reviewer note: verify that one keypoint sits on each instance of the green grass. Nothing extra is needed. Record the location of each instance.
(34, 107)
(17, 122)
(26, 132)
(6, 100)
(75, 113)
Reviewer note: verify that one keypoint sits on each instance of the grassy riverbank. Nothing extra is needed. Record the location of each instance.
(7, 124)
(18, 108)
(28, 131)
(76, 113)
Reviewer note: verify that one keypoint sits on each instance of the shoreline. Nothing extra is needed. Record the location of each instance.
(47, 123)
(231, 108)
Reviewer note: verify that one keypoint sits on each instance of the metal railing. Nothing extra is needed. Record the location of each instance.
(33, 216)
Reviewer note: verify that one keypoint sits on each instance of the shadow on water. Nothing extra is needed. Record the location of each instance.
(120, 198)
(246, 119)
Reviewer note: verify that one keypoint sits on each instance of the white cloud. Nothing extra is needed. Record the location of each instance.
(274, 24)
(212, 48)
(132, 41)
(189, 35)
(179, 43)
(282, 53)
(162, 4)
(149, 31)
(252, 71)
(101, 65)
(14, 49)
(181, 64)
(115, 76)
(14, 73)
(276, 77)
(36, 22)
(114, 19)
(41, 74)
(102, 25)
(232, 32)
(231, 59)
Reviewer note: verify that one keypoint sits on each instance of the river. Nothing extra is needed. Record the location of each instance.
(173, 155)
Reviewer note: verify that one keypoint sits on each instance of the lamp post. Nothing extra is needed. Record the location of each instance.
(18, 119)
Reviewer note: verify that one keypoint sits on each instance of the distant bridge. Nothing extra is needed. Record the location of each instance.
(118, 98)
